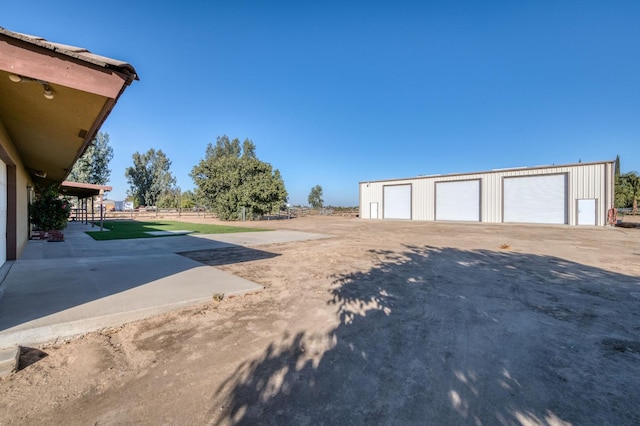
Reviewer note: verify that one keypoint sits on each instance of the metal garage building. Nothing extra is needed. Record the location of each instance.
(573, 194)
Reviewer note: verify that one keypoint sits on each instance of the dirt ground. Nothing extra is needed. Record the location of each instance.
(383, 322)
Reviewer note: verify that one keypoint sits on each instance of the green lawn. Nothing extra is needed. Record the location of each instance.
(125, 229)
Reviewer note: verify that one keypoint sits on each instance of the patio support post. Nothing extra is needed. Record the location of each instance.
(101, 213)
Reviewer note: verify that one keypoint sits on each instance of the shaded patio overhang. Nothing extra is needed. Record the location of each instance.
(82, 190)
(54, 99)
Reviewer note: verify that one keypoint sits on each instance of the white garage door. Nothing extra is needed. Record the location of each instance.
(3, 213)
(373, 211)
(397, 202)
(535, 199)
(587, 212)
(458, 200)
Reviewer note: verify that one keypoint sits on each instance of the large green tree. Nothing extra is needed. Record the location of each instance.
(169, 199)
(627, 190)
(315, 197)
(93, 165)
(149, 177)
(187, 200)
(634, 183)
(231, 177)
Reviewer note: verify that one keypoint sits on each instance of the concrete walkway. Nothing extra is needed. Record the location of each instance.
(59, 290)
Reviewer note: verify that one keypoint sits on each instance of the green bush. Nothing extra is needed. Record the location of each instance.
(49, 211)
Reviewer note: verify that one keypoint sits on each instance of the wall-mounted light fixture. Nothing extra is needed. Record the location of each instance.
(48, 93)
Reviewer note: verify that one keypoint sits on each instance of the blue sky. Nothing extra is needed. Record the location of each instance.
(338, 92)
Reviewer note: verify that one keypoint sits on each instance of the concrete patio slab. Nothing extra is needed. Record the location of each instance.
(59, 290)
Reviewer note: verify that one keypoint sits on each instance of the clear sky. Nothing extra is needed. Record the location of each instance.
(338, 92)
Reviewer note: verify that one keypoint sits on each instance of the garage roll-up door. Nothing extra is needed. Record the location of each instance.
(458, 200)
(535, 199)
(397, 202)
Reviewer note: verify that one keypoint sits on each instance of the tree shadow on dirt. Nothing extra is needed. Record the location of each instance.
(447, 336)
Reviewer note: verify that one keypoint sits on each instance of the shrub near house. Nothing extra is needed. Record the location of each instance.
(49, 212)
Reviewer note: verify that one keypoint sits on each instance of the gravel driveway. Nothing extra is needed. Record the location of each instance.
(384, 322)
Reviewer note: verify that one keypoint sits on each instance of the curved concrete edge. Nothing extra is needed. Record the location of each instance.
(9, 360)
(68, 330)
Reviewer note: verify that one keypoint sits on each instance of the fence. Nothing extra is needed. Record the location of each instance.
(291, 213)
(157, 213)
(625, 211)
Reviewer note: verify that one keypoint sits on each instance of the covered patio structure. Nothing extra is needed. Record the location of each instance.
(85, 192)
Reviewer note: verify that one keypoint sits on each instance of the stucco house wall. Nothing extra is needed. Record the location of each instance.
(19, 185)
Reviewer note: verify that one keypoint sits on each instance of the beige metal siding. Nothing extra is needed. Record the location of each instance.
(369, 193)
(584, 181)
(492, 198)
(609, 191)
(422, 196)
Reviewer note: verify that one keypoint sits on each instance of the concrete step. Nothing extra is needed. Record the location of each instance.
(9, 360)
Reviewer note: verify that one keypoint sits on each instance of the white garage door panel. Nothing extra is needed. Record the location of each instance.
(397, 202)
(458, 200)
(535, 199)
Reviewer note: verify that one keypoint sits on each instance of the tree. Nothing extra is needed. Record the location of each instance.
(627, 191)
(187, 200)
(149, 177)
(93, 165)
(634, 183)
(315, 197)
(617, 166)
(231, 177)
(169, 199)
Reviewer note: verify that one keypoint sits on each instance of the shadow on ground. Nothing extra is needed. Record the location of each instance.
(29, 356)
(447, 336)
(227, 255)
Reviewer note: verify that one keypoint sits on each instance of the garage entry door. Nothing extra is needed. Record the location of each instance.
(535, 199)
(458, 200)
(397, 201)
(3, 213)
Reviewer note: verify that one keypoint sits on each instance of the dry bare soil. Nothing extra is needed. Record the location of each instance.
(383, 322)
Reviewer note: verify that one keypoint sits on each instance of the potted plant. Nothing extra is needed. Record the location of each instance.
(49, 214)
